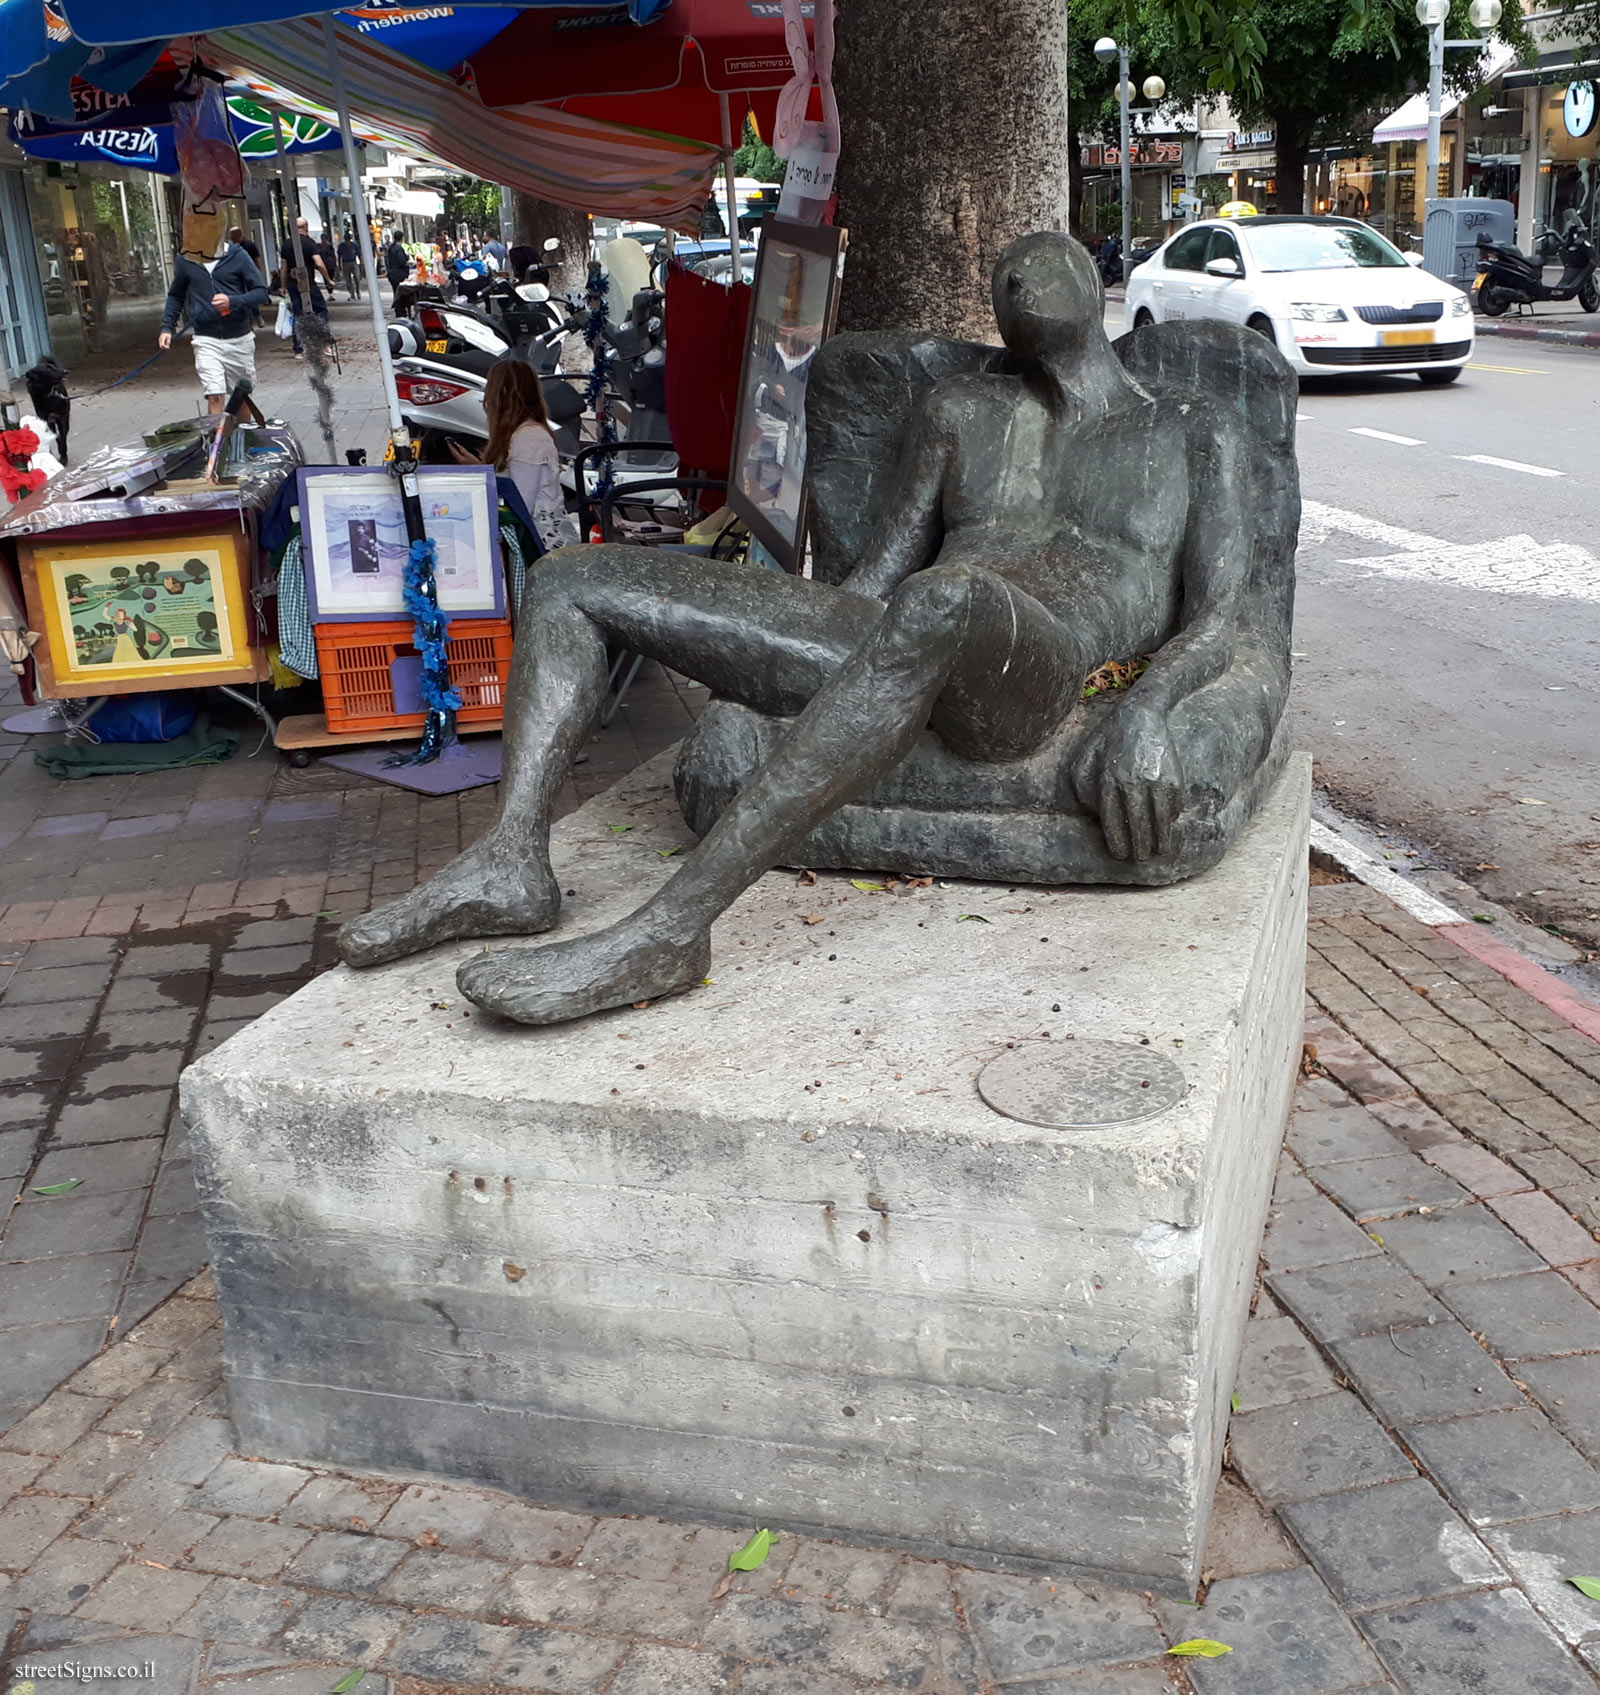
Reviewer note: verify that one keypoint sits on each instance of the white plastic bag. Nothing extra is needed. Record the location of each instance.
(284, 327)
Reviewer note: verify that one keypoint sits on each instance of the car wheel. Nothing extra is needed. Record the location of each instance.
(1438, 379)
(1141, 318)
(1263, 326)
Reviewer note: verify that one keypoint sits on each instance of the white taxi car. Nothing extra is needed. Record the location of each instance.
(1332, 294)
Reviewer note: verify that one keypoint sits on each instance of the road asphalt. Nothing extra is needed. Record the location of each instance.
(1448, 620)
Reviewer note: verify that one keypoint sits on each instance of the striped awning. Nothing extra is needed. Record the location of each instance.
(559, 156)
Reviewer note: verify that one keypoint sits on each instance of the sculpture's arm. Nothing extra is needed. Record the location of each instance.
(1127, 769)
(1217, 549)
(907, 535)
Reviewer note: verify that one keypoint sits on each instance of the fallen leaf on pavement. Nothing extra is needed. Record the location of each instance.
(1201, 1647)
(971, 918)
(812, 918)
(619, 829)
(807, 879)
(753, 1555)
(1589, 1585)
(868, 888)
(64, 1188)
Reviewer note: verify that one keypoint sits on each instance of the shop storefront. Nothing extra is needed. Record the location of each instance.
(1562, 136)
(1156, 174)
(99, 235)
(24, 330)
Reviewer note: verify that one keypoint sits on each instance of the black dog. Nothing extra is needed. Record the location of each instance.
(47, 389)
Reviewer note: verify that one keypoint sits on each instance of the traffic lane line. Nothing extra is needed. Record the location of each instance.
(1513, 370)
(1507, 464)
(1387, 435)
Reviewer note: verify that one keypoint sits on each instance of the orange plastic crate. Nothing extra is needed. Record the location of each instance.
(358, 679)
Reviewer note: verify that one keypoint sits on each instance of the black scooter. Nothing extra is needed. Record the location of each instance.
(1507, 277)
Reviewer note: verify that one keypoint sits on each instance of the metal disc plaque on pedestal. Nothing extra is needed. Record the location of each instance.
(1081, 1085)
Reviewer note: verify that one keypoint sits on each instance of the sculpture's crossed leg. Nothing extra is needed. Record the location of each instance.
(867, 674)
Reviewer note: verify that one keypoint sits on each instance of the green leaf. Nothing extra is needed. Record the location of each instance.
(1201, 1647)
(330, 912)
(1482, 918)
(972, 918)
(753, 1555)
(1233, 1400)
(667, 853)
(868, 888)
(347, 1682)
(1376, 1237)
(619, 829)
(65, 1188)
(1589, 1585)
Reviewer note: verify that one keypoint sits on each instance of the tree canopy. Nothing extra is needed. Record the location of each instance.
(1307, 69)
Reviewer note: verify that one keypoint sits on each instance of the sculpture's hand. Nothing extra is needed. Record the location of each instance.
(1128, 773)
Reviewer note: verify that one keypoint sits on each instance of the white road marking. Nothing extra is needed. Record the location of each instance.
(1507, 464)
(1511, 565)
(1425, 908)
(1384, 435)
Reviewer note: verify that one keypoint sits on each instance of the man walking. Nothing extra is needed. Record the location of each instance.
(298, 251)
(350, 267)
(221, 296)
(396, 266)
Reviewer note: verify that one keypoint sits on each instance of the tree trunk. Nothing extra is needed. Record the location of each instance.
(1289, 180)
(954, 141)
(535, 221)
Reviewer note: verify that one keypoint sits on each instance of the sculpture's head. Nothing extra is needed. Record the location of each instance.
(1047, 295)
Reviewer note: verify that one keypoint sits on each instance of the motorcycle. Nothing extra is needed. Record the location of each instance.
(441, 381)
(1508, 277)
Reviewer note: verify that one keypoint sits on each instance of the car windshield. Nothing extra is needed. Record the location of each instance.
(1320, 247)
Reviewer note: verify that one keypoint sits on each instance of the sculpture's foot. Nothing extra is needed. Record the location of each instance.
(618, 966)
(479, 893)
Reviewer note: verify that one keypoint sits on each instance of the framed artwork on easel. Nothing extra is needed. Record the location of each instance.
(796, 294)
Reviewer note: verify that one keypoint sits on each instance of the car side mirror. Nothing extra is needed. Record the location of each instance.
(1229, 268)
(1413, 258)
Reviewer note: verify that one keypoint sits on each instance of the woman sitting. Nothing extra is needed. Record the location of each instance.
(522, 447)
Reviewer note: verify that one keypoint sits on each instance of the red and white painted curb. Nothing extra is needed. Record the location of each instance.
(1561, 998)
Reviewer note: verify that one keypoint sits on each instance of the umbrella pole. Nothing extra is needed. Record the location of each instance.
(422, 592)
(734, 272)
(301, 272)
(358, 208)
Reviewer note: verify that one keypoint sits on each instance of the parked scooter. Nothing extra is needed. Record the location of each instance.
(441, 380)
(1508, 277)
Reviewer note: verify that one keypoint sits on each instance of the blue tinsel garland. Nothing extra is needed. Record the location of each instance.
(432, 626)
(599, 374)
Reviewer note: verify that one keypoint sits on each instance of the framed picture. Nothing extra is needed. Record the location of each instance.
(354, 533)
(133, 613)
(796, 293)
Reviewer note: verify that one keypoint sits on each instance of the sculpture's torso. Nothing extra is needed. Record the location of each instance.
(1087, 515)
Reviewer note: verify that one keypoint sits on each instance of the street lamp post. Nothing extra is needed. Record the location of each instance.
(1431, 14)
(1105, 50)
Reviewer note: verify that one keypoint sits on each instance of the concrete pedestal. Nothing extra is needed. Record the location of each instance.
(762, 1254)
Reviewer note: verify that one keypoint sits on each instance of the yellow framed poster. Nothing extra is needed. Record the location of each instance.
(132, 613)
